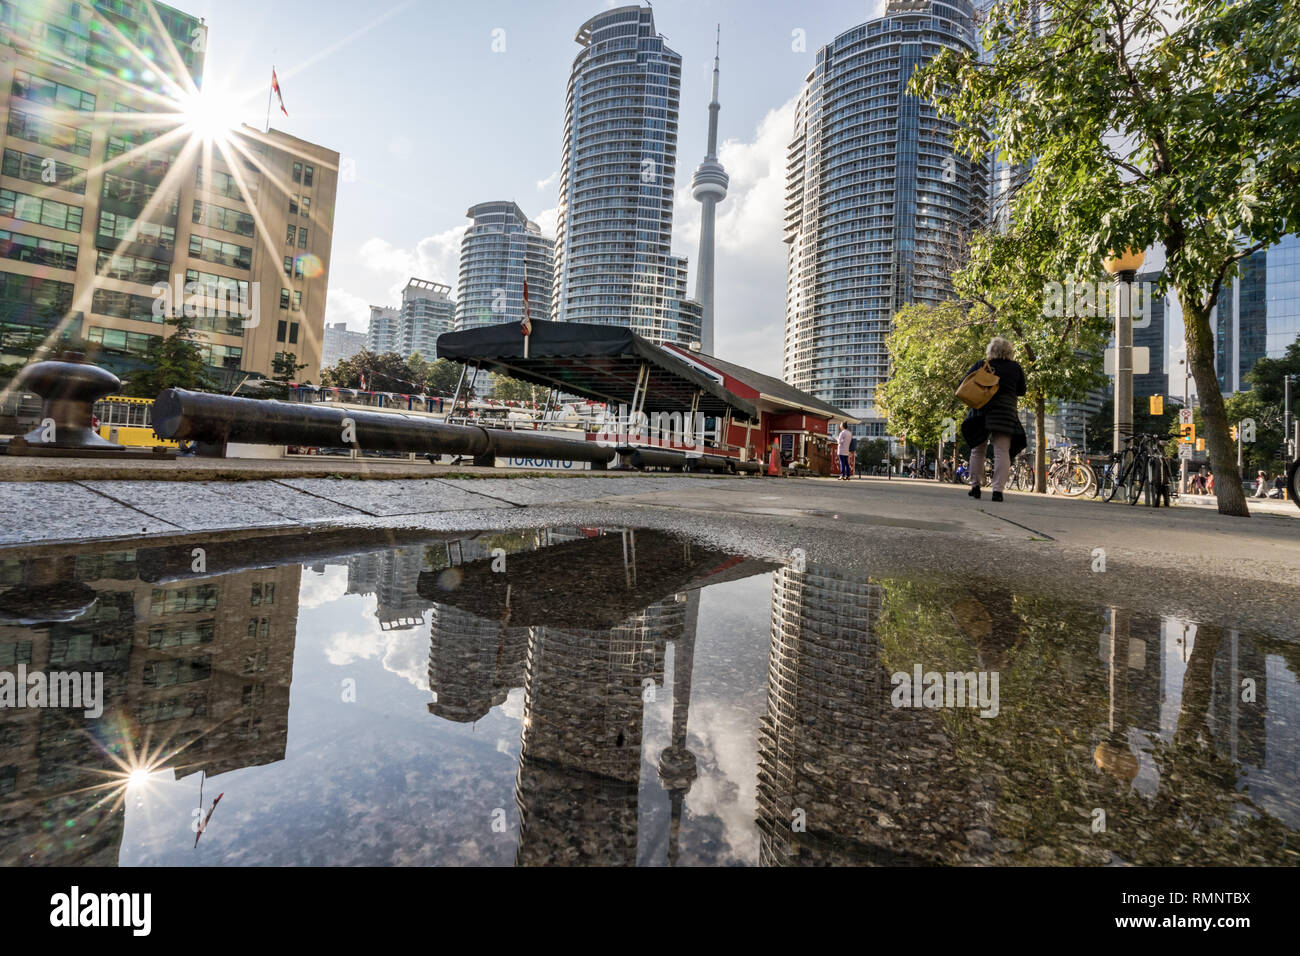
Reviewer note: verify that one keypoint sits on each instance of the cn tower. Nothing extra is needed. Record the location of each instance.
(709, 186)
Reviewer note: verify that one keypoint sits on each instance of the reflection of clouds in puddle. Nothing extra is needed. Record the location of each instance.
(514, 705)
(404, 653)
(727, 788)
(317, 590)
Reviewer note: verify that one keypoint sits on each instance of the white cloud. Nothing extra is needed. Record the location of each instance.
(750, 255)
(547, 220)
(436, 258)
(317, 590)
(344, 306)
(549, 181)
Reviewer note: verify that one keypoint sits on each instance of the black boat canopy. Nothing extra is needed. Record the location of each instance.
(600, 362)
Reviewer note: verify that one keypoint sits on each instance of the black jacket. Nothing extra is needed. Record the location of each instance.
(999, 415)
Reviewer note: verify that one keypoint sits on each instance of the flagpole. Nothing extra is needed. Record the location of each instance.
(268, 101)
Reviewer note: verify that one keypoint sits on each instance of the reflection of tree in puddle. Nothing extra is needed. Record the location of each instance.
(1064, 748)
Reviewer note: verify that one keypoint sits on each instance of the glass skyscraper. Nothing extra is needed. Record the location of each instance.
(1258, 313)
(500, 251)
(877, 202)
(613, 264)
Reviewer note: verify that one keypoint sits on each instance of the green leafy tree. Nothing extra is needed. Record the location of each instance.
(930, 349)
(507, 389)
(1061, 354)
(173, 361)
(1136, 128)
(439, 377)
(388, 372)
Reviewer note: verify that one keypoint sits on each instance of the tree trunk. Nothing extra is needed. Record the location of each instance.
(1223, 458)
(1040, 444)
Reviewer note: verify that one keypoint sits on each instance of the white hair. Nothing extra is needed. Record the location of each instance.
(999, 348)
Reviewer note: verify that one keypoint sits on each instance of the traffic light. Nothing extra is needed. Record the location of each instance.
(1187, 433)
(1232, 430)
(1200, 444)
(1157, 404)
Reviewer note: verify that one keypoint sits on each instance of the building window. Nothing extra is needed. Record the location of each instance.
(290, 234)
(297, 268)
(307, 174)
(293, 205)
(44, 252)
(306, 206)
(40, 169)
(293, 333)
(281, 330)
(297, 172)
(46, 212)
(302, 237)
(288, 265)
(284, 298)
(263, 593)
(297, 304)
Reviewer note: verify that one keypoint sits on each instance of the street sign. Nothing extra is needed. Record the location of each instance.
(1186, 452)
(1141, 361)
(1185, 416)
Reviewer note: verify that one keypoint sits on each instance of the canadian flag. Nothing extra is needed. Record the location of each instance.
(363, 383)
(275, 87)
(527, 323)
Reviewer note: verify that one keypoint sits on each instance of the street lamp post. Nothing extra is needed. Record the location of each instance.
(1123, 266)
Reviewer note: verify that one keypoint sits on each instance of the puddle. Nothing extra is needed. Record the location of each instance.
(618, 696)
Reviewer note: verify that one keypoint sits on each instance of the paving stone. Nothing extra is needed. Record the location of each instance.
(195, 506)
(64, 510)
(401, 497)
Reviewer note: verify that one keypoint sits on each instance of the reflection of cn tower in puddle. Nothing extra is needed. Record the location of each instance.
(677, 765)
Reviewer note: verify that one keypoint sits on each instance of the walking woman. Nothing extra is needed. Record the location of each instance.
(997, 422)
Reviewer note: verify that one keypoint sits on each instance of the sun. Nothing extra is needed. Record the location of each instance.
(210, 114)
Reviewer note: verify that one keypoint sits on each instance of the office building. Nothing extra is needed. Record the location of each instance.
(613, 262)
(339, 343)
(878, 204)
(100, 211)
(501, 251)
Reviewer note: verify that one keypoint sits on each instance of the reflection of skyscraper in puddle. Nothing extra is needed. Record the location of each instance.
(196, 677)
(473, 663)
(392, 577)
(591, 613)
(580, 765)
(1239, 727)
(844, 777)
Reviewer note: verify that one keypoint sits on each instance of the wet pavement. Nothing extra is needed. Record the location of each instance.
(696, 693)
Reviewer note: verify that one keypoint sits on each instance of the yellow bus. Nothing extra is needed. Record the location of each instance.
(128, 421)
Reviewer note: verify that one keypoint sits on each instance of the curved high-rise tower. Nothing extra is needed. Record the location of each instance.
(878, 204)
(613, 263)
(709, 187)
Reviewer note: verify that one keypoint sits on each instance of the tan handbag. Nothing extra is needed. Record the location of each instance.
(979, 386)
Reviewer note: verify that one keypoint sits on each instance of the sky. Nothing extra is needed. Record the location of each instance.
(433, 119)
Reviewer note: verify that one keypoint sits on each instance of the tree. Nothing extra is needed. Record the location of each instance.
(440, 377)
(507, 389)
(1008, 275)
(1266, 380)
(284, 371)
(930, 349)
(388, 372)
(172, 361)
(872, 453)
(1138, 131)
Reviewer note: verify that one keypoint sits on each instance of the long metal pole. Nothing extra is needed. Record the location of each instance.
(1123, 364)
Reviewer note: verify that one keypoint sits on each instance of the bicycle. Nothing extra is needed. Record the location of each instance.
(1142, 466)
(1070, 475)
(1022, 473)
